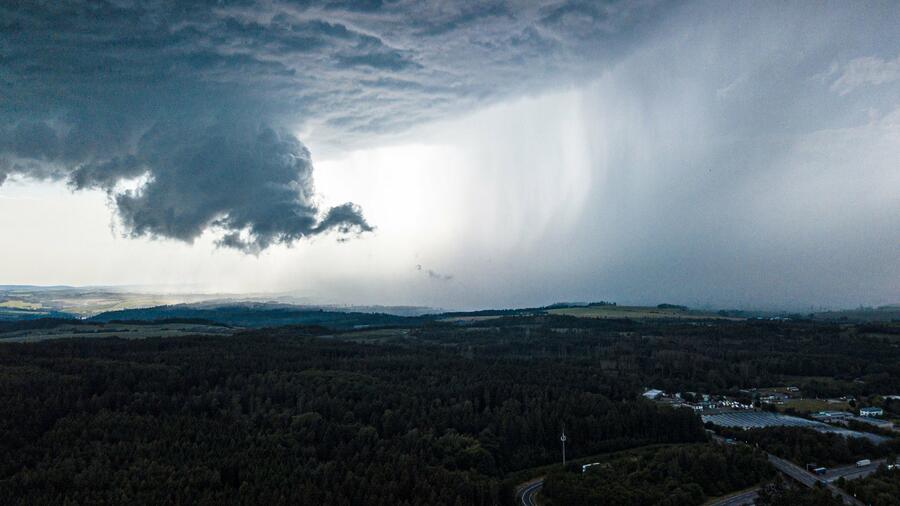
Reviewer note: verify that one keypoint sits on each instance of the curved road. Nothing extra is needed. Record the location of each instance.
(528, 492)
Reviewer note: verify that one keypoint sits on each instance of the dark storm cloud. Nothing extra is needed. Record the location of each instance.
(199, 99)
(434, 274)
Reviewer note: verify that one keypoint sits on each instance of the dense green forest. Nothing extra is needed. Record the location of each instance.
(270, 418)
(679, 476)
(822, 359)
(882, 488)
(436, 413)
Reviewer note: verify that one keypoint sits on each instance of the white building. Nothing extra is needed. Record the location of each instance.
(652, 394)
(871, 412)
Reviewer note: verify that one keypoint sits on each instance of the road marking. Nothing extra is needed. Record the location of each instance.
(529, 491)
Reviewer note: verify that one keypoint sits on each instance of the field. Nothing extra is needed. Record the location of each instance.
(86, 301)
(838, 386)
(814, 405)
(20, 304)
(636, 312)
(374, 336)
(469, 319)
(124, 331)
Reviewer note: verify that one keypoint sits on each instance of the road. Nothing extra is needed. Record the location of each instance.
(852, 472)
(742, 499)
(528, 492)
(793, 471)
(798, 473)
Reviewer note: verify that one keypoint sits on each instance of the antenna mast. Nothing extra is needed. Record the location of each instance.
(562, 439)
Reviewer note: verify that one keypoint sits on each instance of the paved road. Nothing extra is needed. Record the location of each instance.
(798, 473)
(529, 491)
(794, 471)
(852, 472)
(742, 499)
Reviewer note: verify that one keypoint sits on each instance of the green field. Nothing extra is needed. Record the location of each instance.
(636, 312)
(374, 336)
(814, 405)
(124, 331)
(469, 319)
(20, 304)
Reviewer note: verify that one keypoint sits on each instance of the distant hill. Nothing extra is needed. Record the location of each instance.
(83, 302)
(662, 311)
(257, 315)
(866, 314)
(18, 314)
(35, 324)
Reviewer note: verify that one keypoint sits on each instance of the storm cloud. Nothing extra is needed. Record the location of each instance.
(201, 103)
(644, 151)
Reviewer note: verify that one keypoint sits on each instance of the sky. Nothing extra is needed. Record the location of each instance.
(456, 154)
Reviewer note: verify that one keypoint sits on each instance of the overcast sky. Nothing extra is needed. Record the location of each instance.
(456, 154)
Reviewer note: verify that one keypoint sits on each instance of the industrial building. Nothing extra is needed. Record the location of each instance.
(871, 411)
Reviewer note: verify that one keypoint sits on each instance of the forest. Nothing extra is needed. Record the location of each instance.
(279, 419)
(682, 475)
(882, 488)
(438, 413)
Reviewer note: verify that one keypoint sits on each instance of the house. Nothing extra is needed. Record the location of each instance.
(652, 394)
(774, 397)
(832, 414)
(871, 411)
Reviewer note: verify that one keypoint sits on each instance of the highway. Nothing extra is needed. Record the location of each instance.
(852, 472)
(810, 480)
(793, 471)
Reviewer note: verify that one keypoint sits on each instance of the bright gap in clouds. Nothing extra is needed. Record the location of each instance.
(501, 178)
(469, 203)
